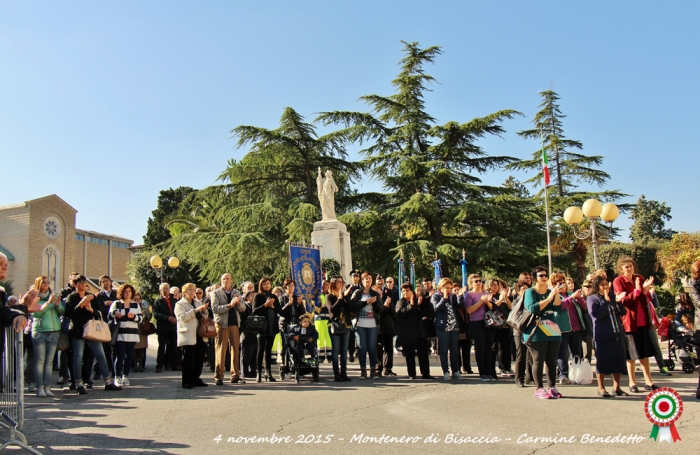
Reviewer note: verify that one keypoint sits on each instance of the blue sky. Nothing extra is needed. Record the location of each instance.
(106, 104)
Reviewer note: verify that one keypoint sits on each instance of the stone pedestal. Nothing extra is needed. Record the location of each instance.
(334, 239)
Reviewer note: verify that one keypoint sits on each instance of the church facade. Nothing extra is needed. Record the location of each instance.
(40, 238)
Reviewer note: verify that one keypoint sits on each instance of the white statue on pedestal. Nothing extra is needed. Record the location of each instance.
(326, 195)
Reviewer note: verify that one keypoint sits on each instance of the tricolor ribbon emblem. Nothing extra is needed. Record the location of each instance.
(663, 407)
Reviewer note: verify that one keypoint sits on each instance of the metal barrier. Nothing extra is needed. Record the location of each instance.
(12, 388)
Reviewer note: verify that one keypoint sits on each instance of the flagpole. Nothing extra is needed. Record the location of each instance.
(546, 207)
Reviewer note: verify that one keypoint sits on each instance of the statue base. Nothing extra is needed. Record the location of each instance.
(333, 238)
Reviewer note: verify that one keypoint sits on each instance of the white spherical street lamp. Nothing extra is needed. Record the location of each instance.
(594, 211)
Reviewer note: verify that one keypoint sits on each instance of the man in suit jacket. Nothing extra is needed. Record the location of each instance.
(166, 328)
(226, 303)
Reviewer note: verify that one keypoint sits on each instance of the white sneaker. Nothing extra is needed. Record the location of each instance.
(564, 380)
(118, 382)
(456, 375)
(125, 381)
(447, 376)
(48, 392)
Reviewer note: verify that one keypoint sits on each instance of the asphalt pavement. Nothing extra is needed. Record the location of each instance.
(388, 415)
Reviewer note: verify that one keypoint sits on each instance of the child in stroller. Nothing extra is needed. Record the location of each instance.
(305, 337)
(680, 344)
(301, 337)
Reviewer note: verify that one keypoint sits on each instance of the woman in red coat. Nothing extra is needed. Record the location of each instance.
(630, 289)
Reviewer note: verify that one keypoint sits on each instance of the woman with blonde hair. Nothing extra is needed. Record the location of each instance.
(448, 322)
(46, 329)
(630, 290)
(189, 312)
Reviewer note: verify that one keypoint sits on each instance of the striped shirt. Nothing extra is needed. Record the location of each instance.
(128, 328)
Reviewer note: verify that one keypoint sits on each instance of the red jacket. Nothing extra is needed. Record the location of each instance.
(633, 318)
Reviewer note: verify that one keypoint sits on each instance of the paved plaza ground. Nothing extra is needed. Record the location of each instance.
(155, 415)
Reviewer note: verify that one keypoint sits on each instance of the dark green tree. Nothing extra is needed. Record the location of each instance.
(266, 198)
(168, 203)
(568, 168)
(434, 200)
(650, 221)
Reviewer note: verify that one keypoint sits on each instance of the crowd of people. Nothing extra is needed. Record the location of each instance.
(367, 320)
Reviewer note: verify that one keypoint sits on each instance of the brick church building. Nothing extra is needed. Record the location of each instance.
(39, 237)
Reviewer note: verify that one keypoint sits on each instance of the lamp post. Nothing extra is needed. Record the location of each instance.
(593, 210)
(157, 264)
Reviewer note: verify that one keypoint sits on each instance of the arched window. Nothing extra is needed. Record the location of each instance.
(50, 265)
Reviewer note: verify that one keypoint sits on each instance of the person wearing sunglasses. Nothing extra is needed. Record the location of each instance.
(543, 337)
(477, 301)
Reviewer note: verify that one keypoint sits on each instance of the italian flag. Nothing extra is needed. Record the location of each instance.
(545, 166)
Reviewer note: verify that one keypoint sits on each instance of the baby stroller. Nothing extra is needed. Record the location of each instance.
(296, 365)
(680, 348)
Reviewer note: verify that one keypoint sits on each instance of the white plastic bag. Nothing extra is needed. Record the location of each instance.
(574, 370)
(585, 373)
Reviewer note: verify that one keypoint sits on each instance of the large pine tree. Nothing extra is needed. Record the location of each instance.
(434, 199)
(569, 169)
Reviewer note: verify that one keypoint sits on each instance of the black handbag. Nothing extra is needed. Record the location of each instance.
(113, 331)
(337, 328)
(427, 328)
(255, 324)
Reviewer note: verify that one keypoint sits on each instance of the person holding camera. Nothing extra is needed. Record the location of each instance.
(543, 337)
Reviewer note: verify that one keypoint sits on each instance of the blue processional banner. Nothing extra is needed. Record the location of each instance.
(306, 272)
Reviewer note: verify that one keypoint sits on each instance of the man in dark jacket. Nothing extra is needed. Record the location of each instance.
(166, 328)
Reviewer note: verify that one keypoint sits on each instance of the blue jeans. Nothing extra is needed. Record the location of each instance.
(448, 341)
(367, 342)
(570, 341)
(339, 347)
(122, 359)
(96, 348)
(45, 344)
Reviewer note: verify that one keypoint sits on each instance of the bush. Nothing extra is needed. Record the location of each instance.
(644, 254)
(331, 266)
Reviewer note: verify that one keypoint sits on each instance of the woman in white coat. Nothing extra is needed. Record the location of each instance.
(189, 312)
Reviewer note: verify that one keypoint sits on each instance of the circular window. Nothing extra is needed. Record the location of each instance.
(52, 227)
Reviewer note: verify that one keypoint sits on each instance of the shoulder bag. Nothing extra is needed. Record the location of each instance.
(207, 328)
(97, 330)
(255, 324)
(494, 319)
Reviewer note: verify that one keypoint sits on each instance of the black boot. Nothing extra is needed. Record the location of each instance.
(344, 374)
(336, 373)
(270, 377)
